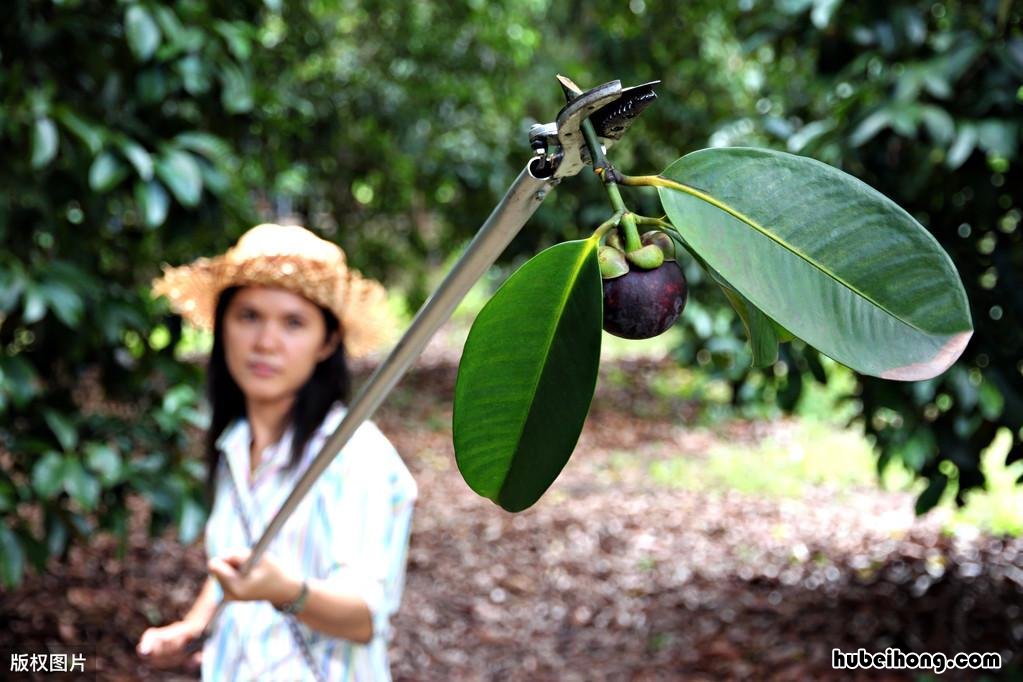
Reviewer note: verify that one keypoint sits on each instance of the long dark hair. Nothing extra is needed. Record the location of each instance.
(329, 382)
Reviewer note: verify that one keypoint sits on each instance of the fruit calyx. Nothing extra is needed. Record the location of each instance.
(656, 247)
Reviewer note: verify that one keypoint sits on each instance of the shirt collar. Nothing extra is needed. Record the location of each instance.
(236, 439)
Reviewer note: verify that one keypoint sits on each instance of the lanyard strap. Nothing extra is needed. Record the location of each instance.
(291, 620)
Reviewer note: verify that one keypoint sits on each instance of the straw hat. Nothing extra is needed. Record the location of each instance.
(289, 257)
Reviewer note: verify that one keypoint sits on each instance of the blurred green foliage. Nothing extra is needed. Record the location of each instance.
(136, 133)
(923, 101)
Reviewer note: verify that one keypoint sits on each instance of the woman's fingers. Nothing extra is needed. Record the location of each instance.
(258, 583)
(195, 661)
(145, 645)
(221, 568)
(164, 646)
(236, 558)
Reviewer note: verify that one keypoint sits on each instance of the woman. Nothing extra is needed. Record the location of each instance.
(285, 310)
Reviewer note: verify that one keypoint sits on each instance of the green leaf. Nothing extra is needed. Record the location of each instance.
(138, 156)
(822, 12)
(56, 535)
(194, 74)
(150, 464)
(48, 474)
(991, 400)
(153, 202)
(180, 172)
(998, 137)
(824, 255)
(62, 427)
(106, 171)
(235, 34)
(190, 521)
(237, 93)
(105, 461)
(20, 380)
(869, 127)
(80, 484)
(918, 449)
(965, 142)
(152, 85)
(170, 25)
(761, 331)
(177, 398)
(142, 31)
(939, 124)
(214, 180)
(527, 375)
(63, 301)
(89, 134)
(12, 285)
(12, 558)
(35, 304)
(932, 494)
(45, 141)
(8, 497)
(212, 147)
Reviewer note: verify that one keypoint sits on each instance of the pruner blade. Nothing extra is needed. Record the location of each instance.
(610, 108)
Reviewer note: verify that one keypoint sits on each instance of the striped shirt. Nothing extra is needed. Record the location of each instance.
(352, 529)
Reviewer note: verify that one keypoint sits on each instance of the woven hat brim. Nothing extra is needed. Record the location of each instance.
(359, 303)
(192, 290)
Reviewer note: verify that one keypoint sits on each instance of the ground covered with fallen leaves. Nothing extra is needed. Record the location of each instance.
(611, 576)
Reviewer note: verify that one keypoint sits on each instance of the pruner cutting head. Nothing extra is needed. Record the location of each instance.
(560, 147)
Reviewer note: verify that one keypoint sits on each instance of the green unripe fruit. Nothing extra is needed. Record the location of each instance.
(612, 262)
(649, 257)
(665, 243)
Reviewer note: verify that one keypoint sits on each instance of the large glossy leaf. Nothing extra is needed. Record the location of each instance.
(527, 375)
(763, 337)
(761, 330)
(825, 256)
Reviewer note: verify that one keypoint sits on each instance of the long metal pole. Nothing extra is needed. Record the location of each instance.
(518, 204)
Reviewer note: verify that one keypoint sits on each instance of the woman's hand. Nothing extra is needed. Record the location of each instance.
(164, 647)
(266, 581)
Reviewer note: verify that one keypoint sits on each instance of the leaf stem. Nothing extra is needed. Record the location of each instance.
(661, 181)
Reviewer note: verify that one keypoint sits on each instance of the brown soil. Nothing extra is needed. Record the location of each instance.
(610, 576)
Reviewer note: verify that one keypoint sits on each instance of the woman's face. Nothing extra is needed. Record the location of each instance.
(273, 340)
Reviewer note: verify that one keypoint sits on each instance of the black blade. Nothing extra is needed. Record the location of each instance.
(612, 120)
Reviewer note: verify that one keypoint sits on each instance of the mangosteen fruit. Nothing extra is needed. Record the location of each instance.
(642, 304)
(644, 300)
